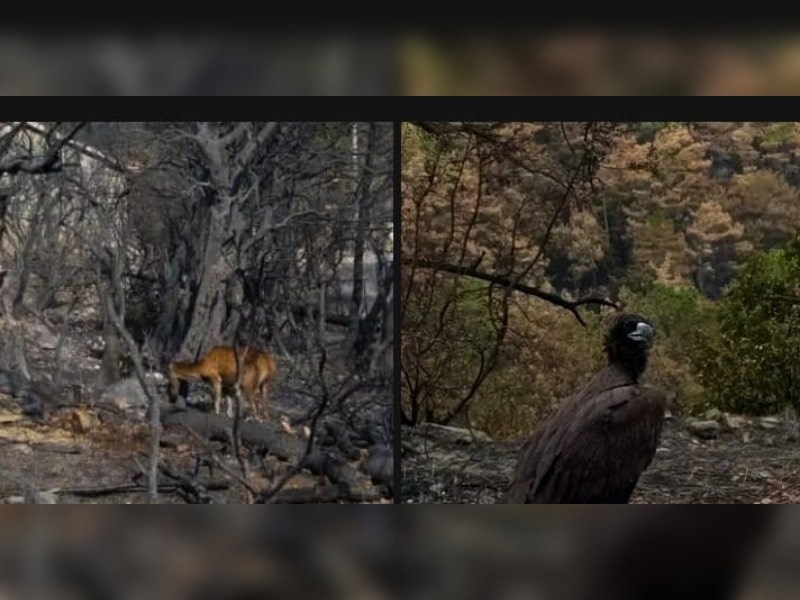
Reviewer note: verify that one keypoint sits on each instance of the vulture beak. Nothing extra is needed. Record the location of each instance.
(643, 333)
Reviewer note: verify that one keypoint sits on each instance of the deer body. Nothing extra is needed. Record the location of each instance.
(218, 368)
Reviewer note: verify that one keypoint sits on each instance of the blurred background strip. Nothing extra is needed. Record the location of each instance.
(340, 60)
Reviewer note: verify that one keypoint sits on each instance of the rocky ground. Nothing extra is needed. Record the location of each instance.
(720, 459)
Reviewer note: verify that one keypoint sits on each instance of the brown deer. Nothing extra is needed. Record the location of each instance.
(218, 368)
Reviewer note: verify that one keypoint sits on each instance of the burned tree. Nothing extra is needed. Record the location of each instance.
(481, 205)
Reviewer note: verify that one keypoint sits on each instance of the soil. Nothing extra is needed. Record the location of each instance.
(104, 464)
(755, 462)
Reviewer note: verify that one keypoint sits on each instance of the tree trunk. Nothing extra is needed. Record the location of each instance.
(23, 276)
(362, 221)
(208, 314)
(110, 363)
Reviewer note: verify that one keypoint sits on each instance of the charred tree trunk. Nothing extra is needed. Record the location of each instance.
(212, 264)
(171, 326)
(3, 213)
(362, 223)
(209, 307)
(23, 274)
(110, 362)
(111, 294)
(360, 232)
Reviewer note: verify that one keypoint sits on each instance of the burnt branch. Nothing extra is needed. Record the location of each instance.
(570, 305)
(49, 162)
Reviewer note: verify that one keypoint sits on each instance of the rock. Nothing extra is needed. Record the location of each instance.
(769, 422)
(286, 425)
(45, 497)
(126, 394)
(733, 422)
(713, 414)
(13, 500)
(33, 404)
(13, 384)
(6, 386)
(83, 420)
(437, 488)
(33, 497)
(41, 335)
(380, 465)
(455, 434)
(705, 430)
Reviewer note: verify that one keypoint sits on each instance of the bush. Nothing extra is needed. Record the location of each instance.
(677, 312)
(546, 357)
(749, 360)
(447, 334)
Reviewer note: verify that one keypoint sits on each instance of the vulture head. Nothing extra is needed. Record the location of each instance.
(629, 338)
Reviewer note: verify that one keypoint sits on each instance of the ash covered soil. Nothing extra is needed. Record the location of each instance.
(737, 461)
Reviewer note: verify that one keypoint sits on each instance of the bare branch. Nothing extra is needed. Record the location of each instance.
(50, 162)
(570, 305)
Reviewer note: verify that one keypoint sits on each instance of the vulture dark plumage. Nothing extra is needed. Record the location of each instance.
(595, 446)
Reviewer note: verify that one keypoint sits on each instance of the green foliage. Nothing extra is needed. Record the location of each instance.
(750, 360)
(545, 358)
(675, 310)
(427, 142)
(779, 133)
(550, 355)
(656, 217)
(449, 336)
(646, 131)
(473, 313)
(677, 313)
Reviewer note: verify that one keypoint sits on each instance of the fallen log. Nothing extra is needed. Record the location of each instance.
(277, 442)
(380, 465)
(253, 434)
(134, 488)
(334, 468)
(43, 446)
(326, 494)
(340, 437)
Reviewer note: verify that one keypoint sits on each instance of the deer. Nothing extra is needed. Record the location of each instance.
(219, 368)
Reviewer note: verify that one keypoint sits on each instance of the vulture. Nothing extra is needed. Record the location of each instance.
(595, 446)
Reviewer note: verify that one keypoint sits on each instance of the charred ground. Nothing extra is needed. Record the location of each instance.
(748, 461)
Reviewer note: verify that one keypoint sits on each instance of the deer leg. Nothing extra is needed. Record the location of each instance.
(249, 393)
(265, 392)
(251, 400)
(216, 382)
(173, 388)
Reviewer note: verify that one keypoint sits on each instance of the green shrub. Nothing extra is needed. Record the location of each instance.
(677, 312)
(546, 357)
(749, 360)
(447, 335)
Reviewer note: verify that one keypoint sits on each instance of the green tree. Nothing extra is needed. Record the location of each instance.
(750, 361)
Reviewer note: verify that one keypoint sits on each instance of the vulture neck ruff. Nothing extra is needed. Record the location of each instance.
(628, 357)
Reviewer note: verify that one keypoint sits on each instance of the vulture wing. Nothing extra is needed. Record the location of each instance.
(592, 450)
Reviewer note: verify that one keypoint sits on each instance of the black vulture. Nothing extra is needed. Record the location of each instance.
(596, 445)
